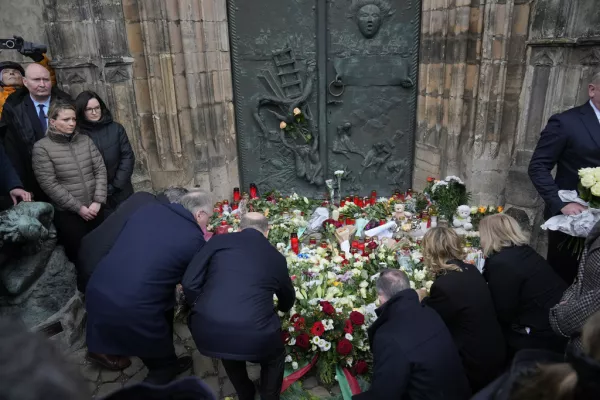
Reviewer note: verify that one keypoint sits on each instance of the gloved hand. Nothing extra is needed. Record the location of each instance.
(29, 49)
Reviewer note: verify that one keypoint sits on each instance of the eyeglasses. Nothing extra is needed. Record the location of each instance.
(94, 110)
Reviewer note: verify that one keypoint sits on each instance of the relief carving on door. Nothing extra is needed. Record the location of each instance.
(341, 96)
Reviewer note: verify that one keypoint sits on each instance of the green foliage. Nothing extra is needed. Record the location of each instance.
(447, 196)
(295, 392)
(299, 128)
(378, 211)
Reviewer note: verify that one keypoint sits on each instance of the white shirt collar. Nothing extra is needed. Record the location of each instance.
(595, 110)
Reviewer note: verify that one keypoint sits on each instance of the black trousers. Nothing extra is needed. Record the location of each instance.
(561, 257)
(271, 377)
(162, 370)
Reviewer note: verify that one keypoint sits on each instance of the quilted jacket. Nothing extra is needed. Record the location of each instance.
(70, 170)
(582, 298)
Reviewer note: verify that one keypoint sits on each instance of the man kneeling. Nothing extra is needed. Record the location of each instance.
(130, 298)
(414, 356)
(230, 286)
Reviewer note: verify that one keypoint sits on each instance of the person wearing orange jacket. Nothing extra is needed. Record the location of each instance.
(11, 73)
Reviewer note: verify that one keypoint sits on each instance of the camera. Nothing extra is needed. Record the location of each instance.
(17, 43)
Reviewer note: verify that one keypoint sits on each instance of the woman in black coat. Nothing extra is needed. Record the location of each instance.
(524, 286)
(460, 296)
(95, 120)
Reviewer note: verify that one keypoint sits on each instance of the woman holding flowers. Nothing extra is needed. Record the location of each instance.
(460, 296)
(524, 286)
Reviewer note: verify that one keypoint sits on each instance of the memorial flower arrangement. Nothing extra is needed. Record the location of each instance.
(447, 194)
(335, 289)
(299, 127)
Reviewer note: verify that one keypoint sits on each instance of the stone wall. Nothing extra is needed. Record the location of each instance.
(488, 78)
(162, 66)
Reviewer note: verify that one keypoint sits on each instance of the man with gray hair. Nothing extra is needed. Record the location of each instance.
(230, 286)
(570, 141)
(414, 356)
(98, 242)
(130, 297)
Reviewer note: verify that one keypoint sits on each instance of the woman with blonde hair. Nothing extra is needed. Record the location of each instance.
(523, 285)
(460, 296)
(70, 170)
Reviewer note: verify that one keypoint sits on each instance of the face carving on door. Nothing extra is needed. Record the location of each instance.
(369, 15)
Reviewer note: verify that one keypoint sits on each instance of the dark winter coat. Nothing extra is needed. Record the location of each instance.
(230, 285)
(414, 356)
(133, 287)
(582, 299)
(524, 288)
(96, 244)
(22, 128)
(463, 300)
(111, 140)
(9, 179)
(570, 141)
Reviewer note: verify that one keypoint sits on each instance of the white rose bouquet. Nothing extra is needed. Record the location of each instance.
(589, 186)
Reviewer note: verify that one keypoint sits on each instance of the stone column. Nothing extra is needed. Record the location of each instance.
(465, 56)
(182, 83)
(90, 51)
(563, 53)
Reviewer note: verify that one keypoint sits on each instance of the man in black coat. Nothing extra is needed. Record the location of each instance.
(25, 122)
(96, 244)
(414, 356)
(570, 141)
(9, 180)
(230, 286)
(130, 298)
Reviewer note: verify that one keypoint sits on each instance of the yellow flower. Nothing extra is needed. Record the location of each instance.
(482, 209)
(500, 209)
(336, 283)
(267, 212)
(282, 125)
(297, 111)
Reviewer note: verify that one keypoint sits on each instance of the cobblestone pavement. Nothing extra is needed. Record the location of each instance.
(103, 382)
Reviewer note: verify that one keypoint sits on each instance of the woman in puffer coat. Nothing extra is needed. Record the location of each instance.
(70, 170)
(95, 120)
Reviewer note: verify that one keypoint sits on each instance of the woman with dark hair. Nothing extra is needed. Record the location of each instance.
(95, 120)
(70, 170)
(461, 297)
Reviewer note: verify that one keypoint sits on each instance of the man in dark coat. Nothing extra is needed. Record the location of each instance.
(570, 141)
(25, 121)
(414, 356)
(9, 180)
(130, 298)
(230, 286)
(96, 244)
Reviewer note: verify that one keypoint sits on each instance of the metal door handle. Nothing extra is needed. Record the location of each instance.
(337, 87)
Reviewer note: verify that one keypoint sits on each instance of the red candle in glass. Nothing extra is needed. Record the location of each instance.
(253, 191)
(356, 200)
(355, 243)
(373, 197)
(236, 194)
(313, 241)
(220, 206)
(235, 206)
(324, 244)
(348, 199)
(223, 228)
(342, 202)
(295, 243)
(361, 247)
(382, 222)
